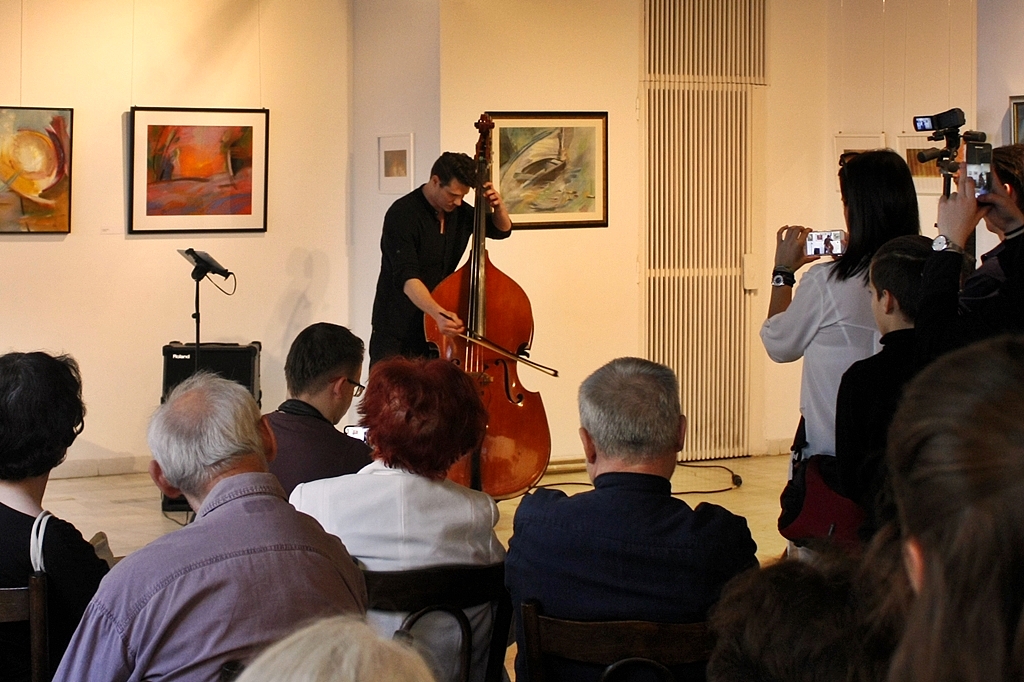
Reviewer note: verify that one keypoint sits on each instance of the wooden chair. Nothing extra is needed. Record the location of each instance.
(616, 644)
(449, 589)
(20, 604)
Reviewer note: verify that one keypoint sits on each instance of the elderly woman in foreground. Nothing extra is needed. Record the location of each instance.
(399, 512)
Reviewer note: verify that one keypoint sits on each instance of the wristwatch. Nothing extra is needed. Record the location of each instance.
(782, 277)
(943, 243)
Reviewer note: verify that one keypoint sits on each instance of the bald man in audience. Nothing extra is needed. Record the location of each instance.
(247, 572)
(626, 550)
(322, 373)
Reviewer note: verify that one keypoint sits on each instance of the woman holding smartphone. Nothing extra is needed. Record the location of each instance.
(828, 320)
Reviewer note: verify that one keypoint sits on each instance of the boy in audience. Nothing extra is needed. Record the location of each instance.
(870, 390)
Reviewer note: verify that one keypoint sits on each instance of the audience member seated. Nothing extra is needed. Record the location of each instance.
(956, 454)
(626, 550)
(794, 621)
(871, 388)
(400, 512)
(339, 649)
(322, 374)
(246, 573)
(41, 414)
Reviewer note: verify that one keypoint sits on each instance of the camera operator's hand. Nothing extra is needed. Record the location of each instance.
(1003, 213)
(791, 247)
(959, 213)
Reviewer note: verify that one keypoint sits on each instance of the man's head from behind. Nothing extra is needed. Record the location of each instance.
(208, 426)
(630, 414)
(896, 270)
(320, 356)
(41, 412)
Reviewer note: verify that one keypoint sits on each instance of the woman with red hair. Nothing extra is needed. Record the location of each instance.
(400, 512)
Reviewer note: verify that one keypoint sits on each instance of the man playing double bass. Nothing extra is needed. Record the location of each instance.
(425, 234)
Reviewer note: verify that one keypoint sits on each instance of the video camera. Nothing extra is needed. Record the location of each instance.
(946, 126)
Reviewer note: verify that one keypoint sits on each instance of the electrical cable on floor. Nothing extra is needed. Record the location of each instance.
(735, 478)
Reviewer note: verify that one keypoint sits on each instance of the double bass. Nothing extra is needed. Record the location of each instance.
(499, 330)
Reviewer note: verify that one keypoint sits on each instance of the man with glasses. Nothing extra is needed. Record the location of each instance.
(322, 374)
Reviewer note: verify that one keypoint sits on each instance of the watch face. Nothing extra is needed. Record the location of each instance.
(940, 243)
(777, 281)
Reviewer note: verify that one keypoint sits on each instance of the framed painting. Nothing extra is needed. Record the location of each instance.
(1016, 119)
(35, 170)
(198, 170)
(847, 143)
(551, 168)
(394, 164)
(927, 176)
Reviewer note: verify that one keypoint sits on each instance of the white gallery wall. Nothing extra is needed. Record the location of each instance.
(113, 300)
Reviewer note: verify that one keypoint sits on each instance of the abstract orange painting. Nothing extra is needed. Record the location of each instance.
(198, 169)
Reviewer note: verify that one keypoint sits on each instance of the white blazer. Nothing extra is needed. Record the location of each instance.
(392, 520)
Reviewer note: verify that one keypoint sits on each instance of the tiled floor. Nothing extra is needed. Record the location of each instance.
(127, 507)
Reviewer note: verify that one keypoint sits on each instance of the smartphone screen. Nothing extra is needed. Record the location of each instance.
(357, 432)
(979, 166)
(825, 243)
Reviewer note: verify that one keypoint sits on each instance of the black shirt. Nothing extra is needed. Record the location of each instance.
(413, 247)
(73, 572)
(865, 405)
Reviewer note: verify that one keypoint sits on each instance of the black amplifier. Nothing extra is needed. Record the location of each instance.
(230, 360)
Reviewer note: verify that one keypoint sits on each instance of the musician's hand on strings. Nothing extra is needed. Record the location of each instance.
(449, 323)
(501, 218)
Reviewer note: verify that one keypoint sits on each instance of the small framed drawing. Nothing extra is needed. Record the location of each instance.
(1016, 119)
(35, 170)
(552, 167)
(198, 170)
(927, 176)
(846, 143)
(394, 164)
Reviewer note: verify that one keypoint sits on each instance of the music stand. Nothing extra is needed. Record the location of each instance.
(203, 264)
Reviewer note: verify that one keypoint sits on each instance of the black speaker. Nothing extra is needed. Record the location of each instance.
(230, 360)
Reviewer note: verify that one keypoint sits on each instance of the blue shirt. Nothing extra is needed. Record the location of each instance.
(248, 571)
(625, 550)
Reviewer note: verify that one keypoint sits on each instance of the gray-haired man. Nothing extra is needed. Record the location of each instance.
(246, 573)
(626, 550)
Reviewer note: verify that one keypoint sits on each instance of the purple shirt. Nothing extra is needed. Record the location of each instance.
(248, 572)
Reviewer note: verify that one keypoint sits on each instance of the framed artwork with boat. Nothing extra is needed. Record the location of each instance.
(552, 167)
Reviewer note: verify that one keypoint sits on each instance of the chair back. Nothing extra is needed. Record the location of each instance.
(28, 604)
(610, 642)
(449, 589)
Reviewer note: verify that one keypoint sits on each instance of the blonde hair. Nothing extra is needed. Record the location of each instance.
(338, 649)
